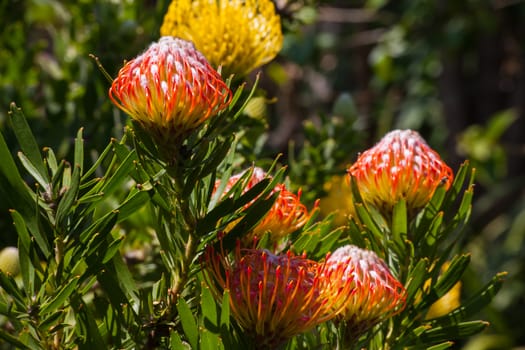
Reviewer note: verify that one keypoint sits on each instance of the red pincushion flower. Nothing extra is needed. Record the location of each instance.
(170, 90)
(400, 166)
(376, 294)
(286, 215)
(274, 297)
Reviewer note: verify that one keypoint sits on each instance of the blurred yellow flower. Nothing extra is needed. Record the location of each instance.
(400, 166)
(338, 200)
(448, 302)
(170, 90)
(237, 35)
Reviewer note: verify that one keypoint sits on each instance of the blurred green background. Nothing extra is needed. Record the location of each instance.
(453, 70)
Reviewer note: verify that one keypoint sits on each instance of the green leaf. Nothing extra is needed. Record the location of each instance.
(209, 309)
(368, 221)
(188, 323)
(452, 275)
(101, 158)
(13, 340)
(120, 175)
(399, 228)
(18, 196)
(126, 281)
(225, 312)
(51, 160)
(176, 343)
(427, 217)
(132, 204)
(52, 320)
(441, 346)
(432, 235)
(27, 269)
(229, 205)
(33, 171)
(254, 214)
(87, 325)
(117, 282)
(8, 283)
(417, 278)
(458, 331)
(27, 141)
(60, 298)
(457, 186)
(104, 225)
(112, 249)
(209, 341)
(79, 151)
(474, 303)
(66, 203)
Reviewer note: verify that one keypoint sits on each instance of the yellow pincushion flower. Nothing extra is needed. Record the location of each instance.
(238, 35)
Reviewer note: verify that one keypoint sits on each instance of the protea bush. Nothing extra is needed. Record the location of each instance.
(181, 235)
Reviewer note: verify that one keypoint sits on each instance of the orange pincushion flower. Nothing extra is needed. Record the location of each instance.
(170, 90)
(376, 294)
(237, 35)
(286, 215)
(274, 297)
(400, 166)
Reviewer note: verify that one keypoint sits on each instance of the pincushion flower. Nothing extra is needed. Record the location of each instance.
(273, 297)
(338, 200)
(400, 166)
(237, 35)
(286, 215)
(169, 90)
(376, 293)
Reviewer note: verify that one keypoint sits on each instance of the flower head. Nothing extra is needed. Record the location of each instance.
(376, 294)
(238, 35)
(274, 297)
(338, 200)
(400, 166)
(170, 90)
(286, 215)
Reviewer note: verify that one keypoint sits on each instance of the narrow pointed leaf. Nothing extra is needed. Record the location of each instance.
(458, 331)
(476, 302)
(10, 339)
(27, 141)
(33, 171)
(26, 265)
(66, 203)
(188, 323)
(79, 151)
(60, 299)
(209, 309)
